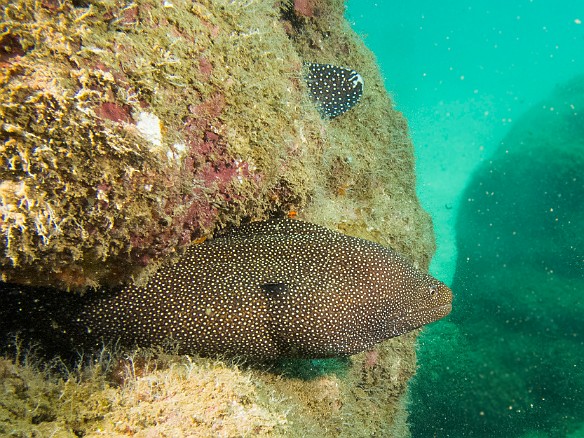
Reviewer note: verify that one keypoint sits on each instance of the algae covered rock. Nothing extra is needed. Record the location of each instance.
(130, 130)
(133, 129)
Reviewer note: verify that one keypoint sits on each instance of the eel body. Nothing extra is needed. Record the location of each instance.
(276, 289)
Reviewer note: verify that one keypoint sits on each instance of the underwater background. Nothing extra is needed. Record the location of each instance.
(494, 96)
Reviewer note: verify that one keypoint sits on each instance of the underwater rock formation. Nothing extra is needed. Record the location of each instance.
(132, 129)
(129, 132)
(516, 332)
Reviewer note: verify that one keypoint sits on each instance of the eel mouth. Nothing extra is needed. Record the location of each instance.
(408, 320)
(442, 310)
(438, 312)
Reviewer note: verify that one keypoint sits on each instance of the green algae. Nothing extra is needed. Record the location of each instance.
(156, 393)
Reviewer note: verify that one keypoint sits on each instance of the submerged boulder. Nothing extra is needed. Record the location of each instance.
(518, 360)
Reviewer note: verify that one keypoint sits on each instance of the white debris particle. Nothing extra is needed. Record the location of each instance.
(176, 152)
(180, 148)
(149, 126)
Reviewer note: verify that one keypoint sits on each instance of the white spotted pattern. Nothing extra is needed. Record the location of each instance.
(335, 90)
(281, 288)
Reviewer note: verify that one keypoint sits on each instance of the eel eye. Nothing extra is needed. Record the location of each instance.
(433, 289)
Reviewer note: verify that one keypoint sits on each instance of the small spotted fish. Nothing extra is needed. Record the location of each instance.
(276, 289)
(335, 90)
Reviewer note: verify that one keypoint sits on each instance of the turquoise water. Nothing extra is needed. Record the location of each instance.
(494, 95)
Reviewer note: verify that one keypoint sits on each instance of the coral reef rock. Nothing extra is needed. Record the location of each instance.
(131, 130)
